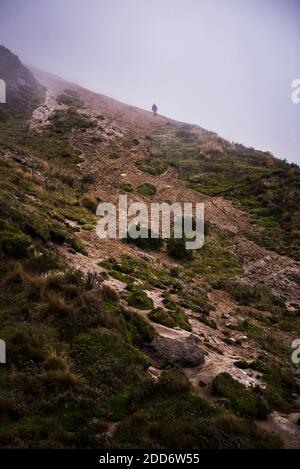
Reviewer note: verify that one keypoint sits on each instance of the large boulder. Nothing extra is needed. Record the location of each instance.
(170, 352)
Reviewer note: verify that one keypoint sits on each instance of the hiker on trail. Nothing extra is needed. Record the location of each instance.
(154, 109)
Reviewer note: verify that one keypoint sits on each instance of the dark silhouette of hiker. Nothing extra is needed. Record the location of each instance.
(154, 109)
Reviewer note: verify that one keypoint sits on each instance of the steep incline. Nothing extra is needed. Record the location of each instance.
(116, 344)
(112, 152)
(122, 124)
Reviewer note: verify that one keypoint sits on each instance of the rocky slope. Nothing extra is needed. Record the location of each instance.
(23, 91)
(116, 344)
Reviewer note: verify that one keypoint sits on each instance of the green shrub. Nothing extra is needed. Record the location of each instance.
(162, 316)
(70, 98)
(114, 156)
(4, 116)
(44, 261)
(184, 134)
(66, 178)
(24, 348)
(152, 166)
(140, 330)
(88, 227)
(170, 319)
(173, 382)
(90, 202)
(62, 122)
(207, 321)
(176, 248)
(88, 179)
(196, 299)
(78, 246)
(13, 244)
(139, 299)
(257, 296)
(146, 240)
(109, 294)
(126, 186)
(147, 189)
(280, 384)
(247, 402)
(116, 371)
(242, 364)
(170, 415)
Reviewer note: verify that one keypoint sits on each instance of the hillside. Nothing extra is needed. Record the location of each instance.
(23, 91)
(114, 344)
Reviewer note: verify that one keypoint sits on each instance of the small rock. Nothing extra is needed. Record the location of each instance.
(214, 348)
(202, 384)
(153, 373)
(221, 400)
(225, 316)
(193, 339)
(198, 309)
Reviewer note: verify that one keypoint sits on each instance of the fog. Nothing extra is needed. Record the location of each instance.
(226, 65)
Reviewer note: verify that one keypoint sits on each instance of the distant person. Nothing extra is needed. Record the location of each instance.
(154, 109)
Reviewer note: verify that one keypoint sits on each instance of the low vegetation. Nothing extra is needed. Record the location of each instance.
(170, 415)
(268, 188)
(126, 186)
(147, 189)
(256, 296)
(279, 382)
(246, 402)
(146, 239)
(170, 319)
(176, 248)
(70, 98)
(138, 298)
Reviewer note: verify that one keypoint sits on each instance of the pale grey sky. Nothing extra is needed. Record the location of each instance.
(226, 65)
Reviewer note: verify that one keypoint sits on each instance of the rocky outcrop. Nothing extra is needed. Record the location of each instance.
(170, 352)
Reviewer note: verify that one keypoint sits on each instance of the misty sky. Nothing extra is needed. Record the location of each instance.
(226, 65)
